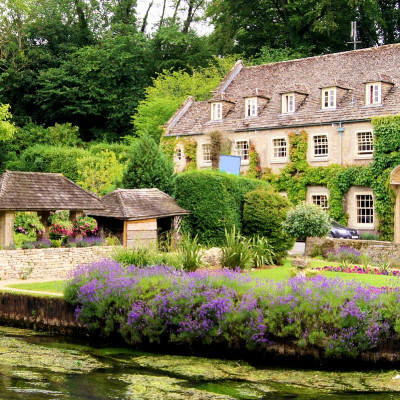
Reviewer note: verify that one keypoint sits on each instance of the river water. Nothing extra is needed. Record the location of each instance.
(38, 366)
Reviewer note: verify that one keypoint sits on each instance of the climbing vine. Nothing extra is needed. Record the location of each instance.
(298, 174)
(168, 146)
(254, 170)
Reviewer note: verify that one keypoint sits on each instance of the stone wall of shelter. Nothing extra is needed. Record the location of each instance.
(52, 263)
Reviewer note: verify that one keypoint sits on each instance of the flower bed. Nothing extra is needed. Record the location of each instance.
(161, 304)
(358, 270)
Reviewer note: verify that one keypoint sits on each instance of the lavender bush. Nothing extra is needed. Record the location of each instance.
(162, 304)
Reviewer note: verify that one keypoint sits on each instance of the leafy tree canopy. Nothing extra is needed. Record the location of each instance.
(170, 89)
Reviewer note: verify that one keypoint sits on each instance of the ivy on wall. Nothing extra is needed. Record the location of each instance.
(169, 144)
(298, 174)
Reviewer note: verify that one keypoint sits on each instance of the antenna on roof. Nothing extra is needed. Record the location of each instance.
(353, 34)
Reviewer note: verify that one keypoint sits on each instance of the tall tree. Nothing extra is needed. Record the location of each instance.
(245, 26)
(148, 167)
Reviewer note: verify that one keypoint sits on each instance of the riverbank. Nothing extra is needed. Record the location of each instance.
(56, 316)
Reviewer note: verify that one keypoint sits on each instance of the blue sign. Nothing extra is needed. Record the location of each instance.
(230, 164)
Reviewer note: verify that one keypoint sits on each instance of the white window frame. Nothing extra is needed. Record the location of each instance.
(315, 156)
(365, 153)
(288, 103)
(178, 155)
(316, 201)
(275, 149)
(206, 154)
(250, 106)
(357, 215)
(373, 93)
(216, 111)
(328, 100)
(239, 152)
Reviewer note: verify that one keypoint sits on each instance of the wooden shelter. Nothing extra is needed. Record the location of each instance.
(43, 193)
(139, 216)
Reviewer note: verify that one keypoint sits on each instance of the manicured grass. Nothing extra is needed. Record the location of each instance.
(281, 273)
(51, 286)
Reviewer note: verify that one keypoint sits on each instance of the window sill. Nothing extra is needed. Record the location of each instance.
(317, 159)
(245, 162)
(366, 157)
(373, 105)
(281, 161)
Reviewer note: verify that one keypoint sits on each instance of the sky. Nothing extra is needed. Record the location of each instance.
(155, 13)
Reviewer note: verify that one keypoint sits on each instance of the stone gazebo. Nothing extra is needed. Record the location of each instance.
(43, 193)
(139, 216)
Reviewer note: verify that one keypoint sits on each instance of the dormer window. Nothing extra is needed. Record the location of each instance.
(216, 111)
(288, 103)
(250, 105)
(373, 93)
(329, 98)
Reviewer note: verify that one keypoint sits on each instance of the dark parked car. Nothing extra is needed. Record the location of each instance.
(342, 232)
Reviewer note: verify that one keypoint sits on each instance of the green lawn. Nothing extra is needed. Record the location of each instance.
(281, 273)
(51, 286)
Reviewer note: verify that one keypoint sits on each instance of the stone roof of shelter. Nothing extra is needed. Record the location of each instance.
(37, 191)
(348, 71)
(137, 204)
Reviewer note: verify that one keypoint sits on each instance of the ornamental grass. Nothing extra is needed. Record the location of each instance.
(160, 304)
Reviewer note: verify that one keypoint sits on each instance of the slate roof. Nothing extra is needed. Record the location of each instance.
(36, 191)
(348, 71)
(137, 204)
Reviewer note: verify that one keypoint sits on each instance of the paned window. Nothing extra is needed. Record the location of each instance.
(329, 98)
(320, 146)
(178, 154)
(206, 152)
(320, 200)
(216, 111)
(365, 143)
(365, 209)
(279, 148)
(251, 107)
(288, 103)
(373, 93)
(242, 149)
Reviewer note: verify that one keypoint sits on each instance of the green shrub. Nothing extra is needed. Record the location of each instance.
(263, 253)
(21, 238)
(28, 223)
(369, 236)
(263, 214)
(237, 251)
(42, 158)
(56, 243)
(215, 201)
(191, 253)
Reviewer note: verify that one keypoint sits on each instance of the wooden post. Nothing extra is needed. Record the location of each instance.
(396, 235)
(44, 219)
(6, 228)
(73, 215)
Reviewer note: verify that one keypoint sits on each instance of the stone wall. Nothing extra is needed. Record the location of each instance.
(373, 248)
(49, 263)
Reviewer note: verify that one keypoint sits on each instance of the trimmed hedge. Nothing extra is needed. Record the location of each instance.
(42, 158)
(263, 214)
(215, 200)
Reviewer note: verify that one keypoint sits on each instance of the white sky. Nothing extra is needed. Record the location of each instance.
(202, 28)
